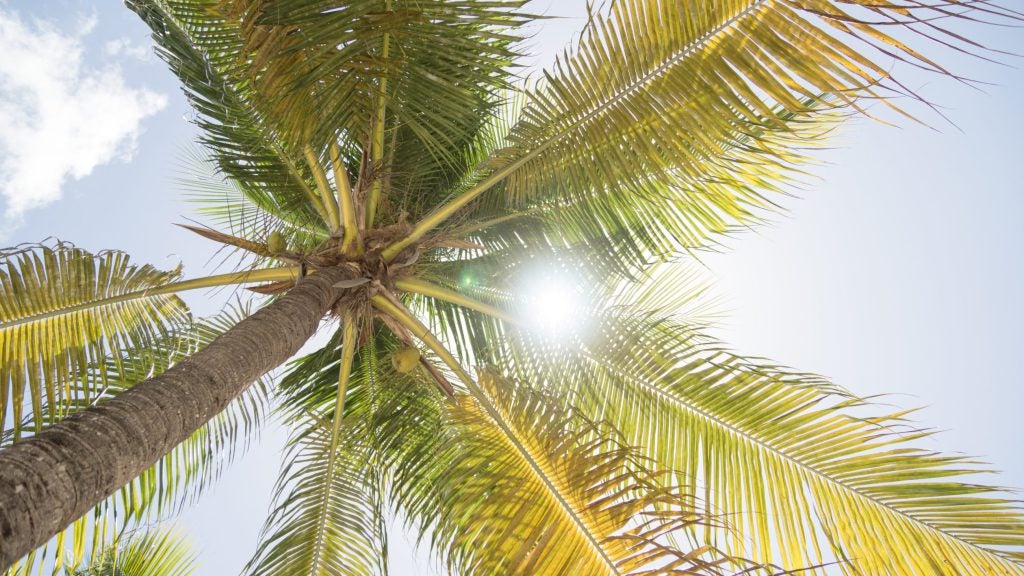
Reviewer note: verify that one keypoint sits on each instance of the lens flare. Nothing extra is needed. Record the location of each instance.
(553, 303)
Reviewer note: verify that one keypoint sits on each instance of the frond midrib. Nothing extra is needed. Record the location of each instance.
(764, 445)
(82, 306)
(151, 292)
(545, 479)
(348, 351)
(680, 55)
(323, 513)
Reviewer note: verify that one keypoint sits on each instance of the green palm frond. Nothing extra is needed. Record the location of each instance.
(319, 76)
(539, 491)
(205, 44)
(200, 48)
(328, 516)
(695, 107)
(224, 204)
(155, 553)
(787, 456)
(64, 310)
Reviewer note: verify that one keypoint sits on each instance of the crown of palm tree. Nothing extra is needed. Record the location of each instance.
(384, 153)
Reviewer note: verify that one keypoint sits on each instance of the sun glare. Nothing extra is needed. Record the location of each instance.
(553, 303)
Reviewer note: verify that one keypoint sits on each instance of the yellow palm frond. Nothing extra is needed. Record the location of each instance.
(698, 103)
(666, 92)
(64, 310)
(787, 457)
(805, 471)
(519, 485)
(158, 552)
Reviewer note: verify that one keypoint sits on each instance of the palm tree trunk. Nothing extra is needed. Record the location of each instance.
(51, 479)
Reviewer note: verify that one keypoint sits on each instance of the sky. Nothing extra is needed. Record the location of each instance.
(896, 272)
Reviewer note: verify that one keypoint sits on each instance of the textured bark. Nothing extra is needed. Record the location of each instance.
(49, 480)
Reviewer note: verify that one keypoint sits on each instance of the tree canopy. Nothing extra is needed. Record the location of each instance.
(390, 146)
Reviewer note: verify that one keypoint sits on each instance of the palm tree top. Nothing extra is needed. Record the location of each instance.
(373, 154)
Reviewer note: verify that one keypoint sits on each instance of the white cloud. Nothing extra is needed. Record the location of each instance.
(59, 118)
(125, 47)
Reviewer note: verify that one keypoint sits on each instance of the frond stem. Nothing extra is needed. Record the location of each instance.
(248, 277)
(485, 224)
(348, 351)
(350, 242)
(377, 140)
(429, 289)
(327, 203)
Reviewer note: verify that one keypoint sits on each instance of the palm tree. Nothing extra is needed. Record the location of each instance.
(378, 167)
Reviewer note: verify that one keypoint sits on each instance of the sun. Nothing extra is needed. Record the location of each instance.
(553, 302)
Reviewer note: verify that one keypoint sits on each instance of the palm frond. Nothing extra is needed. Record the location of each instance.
(319, 76)
(326, 518)
(64, 310)
(791, 457)
(694, 107)
(657, 93)
(540, 491)
(787, 456)
(158, 552)
(223, 203)
(200, 48)
(647, 214)
(328, 515)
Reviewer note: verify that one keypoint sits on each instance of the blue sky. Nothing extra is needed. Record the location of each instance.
(897, 272)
